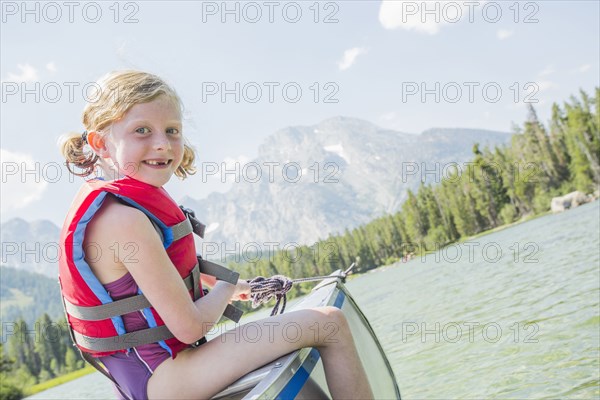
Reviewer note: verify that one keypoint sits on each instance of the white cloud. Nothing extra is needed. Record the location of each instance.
(27, 74)
(504, 34)
(394, 14)
(545, 85)
(549, 70)
(19, 189)
(584, 68)
(51, 66)
(389, 116)
(581, 69)
(421, 16)
(349, 58)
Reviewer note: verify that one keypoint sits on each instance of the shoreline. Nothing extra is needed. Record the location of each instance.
(478, 235)
(59, 380)
(490, 231)
(521, 221)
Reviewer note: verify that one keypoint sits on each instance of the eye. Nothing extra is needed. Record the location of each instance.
(142, 130)
(172, 131)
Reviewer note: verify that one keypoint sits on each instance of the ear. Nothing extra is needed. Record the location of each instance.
(97, 143)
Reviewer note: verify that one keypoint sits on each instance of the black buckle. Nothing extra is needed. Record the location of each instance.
(197, 226)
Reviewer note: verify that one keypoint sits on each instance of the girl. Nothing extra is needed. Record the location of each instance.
(112, 256)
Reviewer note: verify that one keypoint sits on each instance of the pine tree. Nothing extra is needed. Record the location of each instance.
(557, 141)
(414, 217)
(45, 345)
(72, 360)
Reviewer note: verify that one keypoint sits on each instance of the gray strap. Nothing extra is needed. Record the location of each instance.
(218, 271)
(181, 229)
(197, 227)
(126, 305)
(223, 274)
(233, 313)
(137, 338)
(108, 310)
(125, 341)
(195, 281)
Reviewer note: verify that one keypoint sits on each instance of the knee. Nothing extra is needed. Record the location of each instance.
(335, 321)
(333, 314)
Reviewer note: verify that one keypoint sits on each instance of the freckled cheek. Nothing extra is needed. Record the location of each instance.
(177, 145)
(128, 160)
(178, 158)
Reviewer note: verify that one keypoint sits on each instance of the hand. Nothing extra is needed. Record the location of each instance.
(242, 291)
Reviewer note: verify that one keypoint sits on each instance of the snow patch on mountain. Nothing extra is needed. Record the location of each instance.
(339, 150)
(211, 227)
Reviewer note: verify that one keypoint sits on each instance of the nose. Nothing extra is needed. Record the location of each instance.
(161, 142)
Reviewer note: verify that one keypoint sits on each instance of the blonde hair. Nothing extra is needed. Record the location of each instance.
(115, 94)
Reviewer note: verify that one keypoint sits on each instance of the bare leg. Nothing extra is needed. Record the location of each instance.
(201, 373)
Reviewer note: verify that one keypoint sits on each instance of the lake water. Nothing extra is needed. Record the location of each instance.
(513, 314)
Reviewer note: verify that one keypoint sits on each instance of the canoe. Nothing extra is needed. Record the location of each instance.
(300, 374)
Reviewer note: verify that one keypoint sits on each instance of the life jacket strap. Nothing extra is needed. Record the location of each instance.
(218, 271)
(124, 341)
(187, 226)
(197, 227)
(222, 274)
(126, 305)
(181, 229)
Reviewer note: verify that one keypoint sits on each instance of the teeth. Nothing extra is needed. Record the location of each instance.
(152, 162)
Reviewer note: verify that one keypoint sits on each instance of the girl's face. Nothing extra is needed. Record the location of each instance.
(147, 143)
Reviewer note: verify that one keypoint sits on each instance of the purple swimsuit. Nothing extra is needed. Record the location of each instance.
(132, 370)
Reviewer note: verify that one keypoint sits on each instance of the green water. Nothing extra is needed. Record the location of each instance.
(513, 314)
(516, 316)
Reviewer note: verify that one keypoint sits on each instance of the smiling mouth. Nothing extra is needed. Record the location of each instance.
(157, 163)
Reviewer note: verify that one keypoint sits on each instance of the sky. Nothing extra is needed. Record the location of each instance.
(245, 70)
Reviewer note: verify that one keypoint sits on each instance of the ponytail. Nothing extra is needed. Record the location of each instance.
(187, 163)
(73, 150)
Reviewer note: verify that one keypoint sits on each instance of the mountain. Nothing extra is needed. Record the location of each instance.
(314, 181)
(28, 295)
(31, 246)
(321, 179)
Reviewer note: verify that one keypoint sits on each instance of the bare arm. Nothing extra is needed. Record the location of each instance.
(157, 277)
(208, 280)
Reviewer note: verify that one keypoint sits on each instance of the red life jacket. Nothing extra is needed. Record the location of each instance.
(79, 285)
